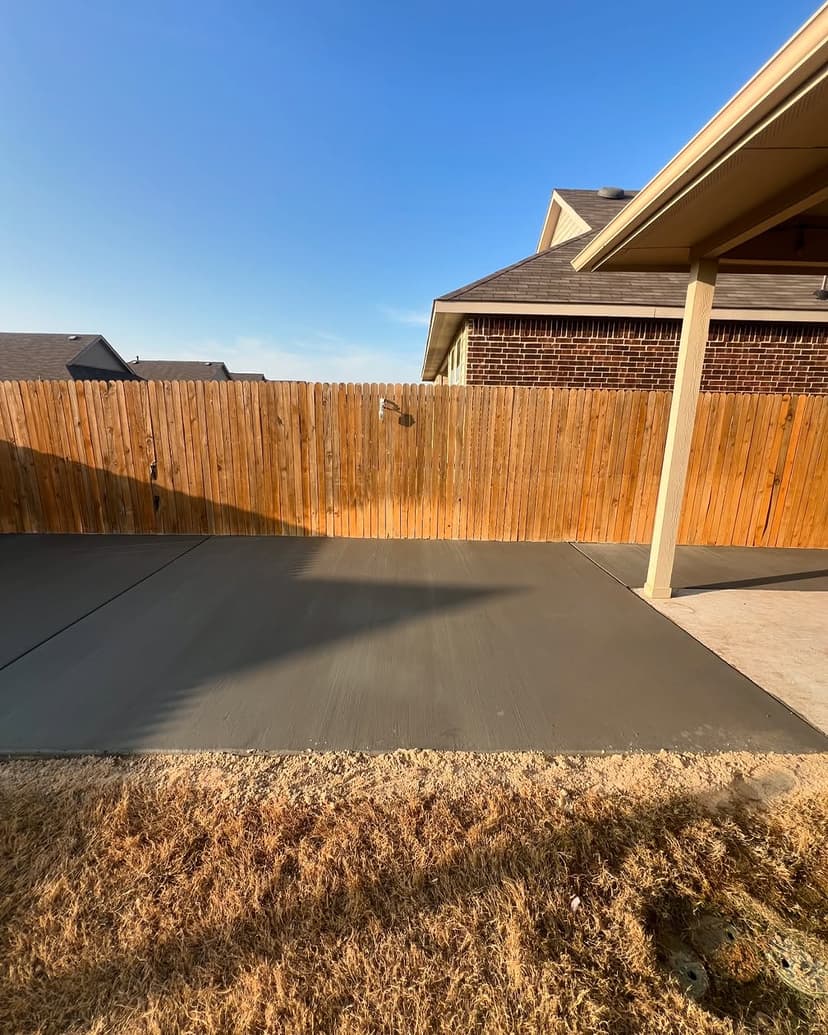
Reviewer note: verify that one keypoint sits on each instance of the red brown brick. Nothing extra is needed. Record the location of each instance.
(575, 352)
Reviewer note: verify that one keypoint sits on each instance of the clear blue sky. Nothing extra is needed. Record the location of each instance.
(287, 186)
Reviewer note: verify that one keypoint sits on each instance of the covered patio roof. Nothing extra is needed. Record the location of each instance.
(748, 194)
(750, 189)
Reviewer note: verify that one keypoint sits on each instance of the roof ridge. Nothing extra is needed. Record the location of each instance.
(515, 265)
(594, 190)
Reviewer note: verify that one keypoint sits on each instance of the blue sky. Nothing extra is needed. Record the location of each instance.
(287, 186)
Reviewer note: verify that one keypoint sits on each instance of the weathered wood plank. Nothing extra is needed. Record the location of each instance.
(449, 462)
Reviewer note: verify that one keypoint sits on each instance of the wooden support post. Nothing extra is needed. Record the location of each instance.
(694, 330)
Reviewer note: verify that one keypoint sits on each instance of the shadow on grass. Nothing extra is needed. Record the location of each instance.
(348, 901)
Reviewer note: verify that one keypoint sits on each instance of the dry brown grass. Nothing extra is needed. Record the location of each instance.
(216, 895)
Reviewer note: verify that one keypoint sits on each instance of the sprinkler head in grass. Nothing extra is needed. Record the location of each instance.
(796, 966)
(726, 946)
(688, 970)
(710, 933)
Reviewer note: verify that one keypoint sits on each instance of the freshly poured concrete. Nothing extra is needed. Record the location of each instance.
(763, 611)
(287, 644)
(718, 567)
(49, 581)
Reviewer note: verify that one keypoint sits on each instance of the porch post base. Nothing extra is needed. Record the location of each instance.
(657, 592)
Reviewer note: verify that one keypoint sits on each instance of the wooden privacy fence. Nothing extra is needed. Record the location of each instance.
(290, 458)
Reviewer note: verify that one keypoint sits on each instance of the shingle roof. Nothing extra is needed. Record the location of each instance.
(235, 375)
(589, 205)
(48, 357)
(549, 277)
(180, 370)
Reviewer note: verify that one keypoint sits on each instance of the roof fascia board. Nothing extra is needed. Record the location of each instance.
(711, 170)
(790, 71)
(653, 312)
(550, 221)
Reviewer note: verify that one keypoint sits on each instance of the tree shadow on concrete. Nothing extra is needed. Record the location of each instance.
(105, 640)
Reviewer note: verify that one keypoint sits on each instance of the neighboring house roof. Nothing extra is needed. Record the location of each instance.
(58, 357)
(180, 370)
(547, 284)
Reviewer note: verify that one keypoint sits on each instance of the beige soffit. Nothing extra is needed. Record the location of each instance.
(558, 207)
(762, 159)
(446, 318)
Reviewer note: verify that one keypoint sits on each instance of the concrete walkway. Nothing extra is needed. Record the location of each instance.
(123, 643)
(764, 611)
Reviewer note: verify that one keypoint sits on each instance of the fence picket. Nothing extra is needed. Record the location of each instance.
(445, 462)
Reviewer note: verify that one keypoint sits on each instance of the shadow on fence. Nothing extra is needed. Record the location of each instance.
(182, 632)
(42, 492)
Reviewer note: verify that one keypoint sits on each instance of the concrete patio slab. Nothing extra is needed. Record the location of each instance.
(50, 581)
(764, 611)
(294, 643)
(718, 567)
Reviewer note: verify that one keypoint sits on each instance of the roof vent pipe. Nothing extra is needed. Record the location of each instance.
(613, 193)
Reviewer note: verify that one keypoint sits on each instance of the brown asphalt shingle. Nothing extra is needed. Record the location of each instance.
(549, 277)
(48, 357)
(180, 370)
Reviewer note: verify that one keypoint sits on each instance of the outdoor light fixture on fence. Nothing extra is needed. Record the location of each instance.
(387, 404)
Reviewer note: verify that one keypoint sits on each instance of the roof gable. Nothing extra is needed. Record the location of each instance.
(574, 212)
(55, 357)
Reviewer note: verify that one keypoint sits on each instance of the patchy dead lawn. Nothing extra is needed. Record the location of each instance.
(409, 893)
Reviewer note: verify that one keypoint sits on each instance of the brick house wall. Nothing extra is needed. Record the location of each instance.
(596, 352)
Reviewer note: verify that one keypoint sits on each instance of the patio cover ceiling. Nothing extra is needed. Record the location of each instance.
(750, 189)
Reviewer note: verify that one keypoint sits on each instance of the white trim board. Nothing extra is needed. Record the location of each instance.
(675, 312)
